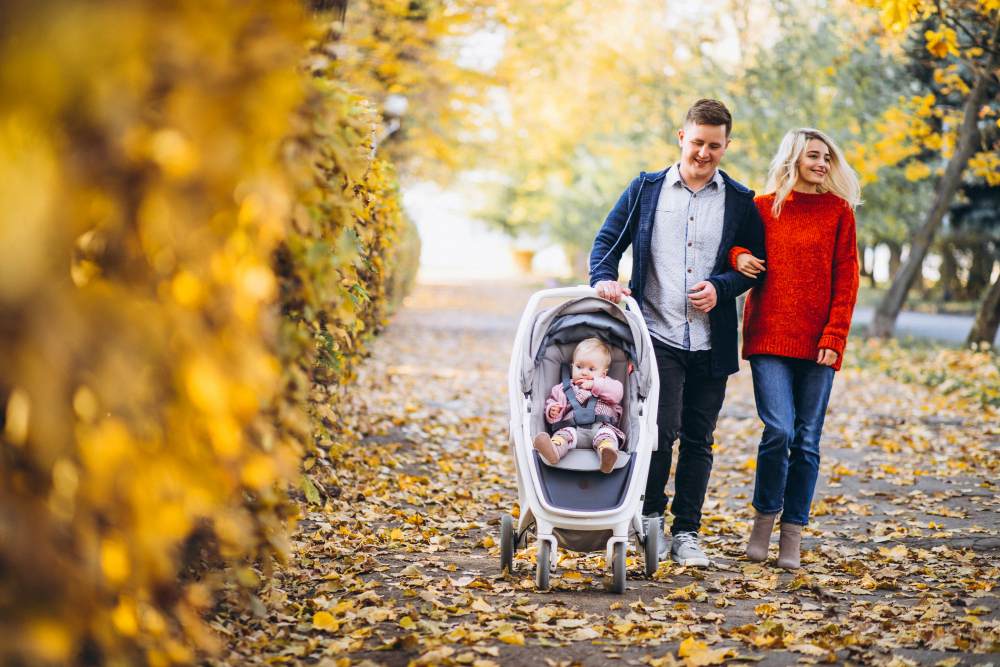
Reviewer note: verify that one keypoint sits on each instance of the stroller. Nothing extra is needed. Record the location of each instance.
(573, 503)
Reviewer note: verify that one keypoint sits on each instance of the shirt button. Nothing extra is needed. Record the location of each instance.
(689, 270)
(690, 320)
(692, 218)
(695, 196)
(689, 245)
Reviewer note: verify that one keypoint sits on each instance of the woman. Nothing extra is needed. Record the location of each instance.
(795, 325)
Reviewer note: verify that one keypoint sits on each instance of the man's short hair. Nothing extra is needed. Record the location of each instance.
(710, 112)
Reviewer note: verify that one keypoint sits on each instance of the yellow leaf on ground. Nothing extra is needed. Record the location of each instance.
(482, 605)
(515, 638)
(950, 662)
(665, 661)
(323, 619)
(699, 655)
(808, 649)
(407, 623)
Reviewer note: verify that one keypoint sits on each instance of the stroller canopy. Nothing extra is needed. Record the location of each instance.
(587, 317)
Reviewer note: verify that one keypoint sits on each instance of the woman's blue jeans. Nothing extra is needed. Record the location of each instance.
(792, 395)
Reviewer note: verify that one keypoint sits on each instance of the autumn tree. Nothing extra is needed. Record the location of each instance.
(431, 52)
(592, 104)
(965, 41)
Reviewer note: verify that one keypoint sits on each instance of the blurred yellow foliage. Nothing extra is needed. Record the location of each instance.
(942, 42)
(192, 232)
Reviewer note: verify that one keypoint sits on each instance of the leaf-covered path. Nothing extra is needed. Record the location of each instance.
(397, 564)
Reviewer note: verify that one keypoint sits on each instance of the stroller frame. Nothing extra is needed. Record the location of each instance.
(622, 521)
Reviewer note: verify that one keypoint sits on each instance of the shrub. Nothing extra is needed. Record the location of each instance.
(169, 185)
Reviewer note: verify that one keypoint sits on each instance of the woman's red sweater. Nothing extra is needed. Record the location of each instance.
(807, 296)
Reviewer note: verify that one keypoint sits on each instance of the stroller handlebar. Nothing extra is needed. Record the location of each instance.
(572, 293)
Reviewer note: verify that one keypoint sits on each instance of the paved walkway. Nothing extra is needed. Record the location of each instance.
(397, 563)
(946, 328)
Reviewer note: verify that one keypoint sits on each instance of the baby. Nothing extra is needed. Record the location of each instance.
(591, 360)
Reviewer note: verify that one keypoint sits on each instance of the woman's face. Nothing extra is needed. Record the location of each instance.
(815, 163)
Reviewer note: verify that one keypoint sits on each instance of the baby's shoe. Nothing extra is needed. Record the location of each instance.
(545, 448)
(609, 456)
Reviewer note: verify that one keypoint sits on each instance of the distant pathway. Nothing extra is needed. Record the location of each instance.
(397, 563)
(948, 328)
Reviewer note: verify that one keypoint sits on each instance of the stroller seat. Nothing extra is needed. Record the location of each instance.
(556, 350)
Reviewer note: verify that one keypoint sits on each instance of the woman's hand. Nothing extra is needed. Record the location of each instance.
(749, 265)
(554, 411)
(827, 357)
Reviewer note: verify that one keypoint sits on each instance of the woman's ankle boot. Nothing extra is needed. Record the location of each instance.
(788, 546)
(760, 536)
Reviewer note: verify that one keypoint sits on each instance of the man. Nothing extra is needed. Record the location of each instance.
(682, 223)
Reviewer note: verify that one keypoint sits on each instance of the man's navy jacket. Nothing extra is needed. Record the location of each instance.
(741, 227)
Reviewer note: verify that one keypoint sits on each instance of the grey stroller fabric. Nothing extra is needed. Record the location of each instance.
(555, 334)
(575, 327)
(587, 304)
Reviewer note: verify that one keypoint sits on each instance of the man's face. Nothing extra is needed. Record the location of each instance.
(702, 148)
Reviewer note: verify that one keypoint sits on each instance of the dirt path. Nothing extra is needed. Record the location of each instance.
(397, 563)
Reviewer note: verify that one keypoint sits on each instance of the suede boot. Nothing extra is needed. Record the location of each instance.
(760, 536)
(788, 546)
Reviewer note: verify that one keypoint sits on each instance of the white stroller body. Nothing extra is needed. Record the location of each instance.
(573, 503)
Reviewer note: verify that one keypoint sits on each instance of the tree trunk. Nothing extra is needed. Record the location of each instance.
(980, 270)
(580, 264)
(865, 273)
(884, 321)
(988, 318)
(951, 286)
(895, 258)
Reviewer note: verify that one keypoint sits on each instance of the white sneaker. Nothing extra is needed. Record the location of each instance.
(664, 550)
(684, 550)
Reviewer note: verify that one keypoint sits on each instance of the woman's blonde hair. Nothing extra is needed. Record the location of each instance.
(784, 172)
(594, 344)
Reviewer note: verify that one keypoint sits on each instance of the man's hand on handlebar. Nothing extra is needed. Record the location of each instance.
(611, 290)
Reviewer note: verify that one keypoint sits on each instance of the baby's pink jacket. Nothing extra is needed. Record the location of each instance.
(607, 389)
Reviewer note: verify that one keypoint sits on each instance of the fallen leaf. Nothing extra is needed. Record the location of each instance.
(515, 638)
(323, 619)
(482, 605)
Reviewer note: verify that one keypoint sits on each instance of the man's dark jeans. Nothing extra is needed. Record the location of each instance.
(690, 400)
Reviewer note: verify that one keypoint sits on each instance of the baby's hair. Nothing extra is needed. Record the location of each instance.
(594, 344)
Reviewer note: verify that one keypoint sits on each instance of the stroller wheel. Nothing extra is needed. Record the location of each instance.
(542, 561)
(652, 549)
(506, 544)
(618, 568)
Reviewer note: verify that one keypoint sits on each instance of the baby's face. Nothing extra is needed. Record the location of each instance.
(589, 366)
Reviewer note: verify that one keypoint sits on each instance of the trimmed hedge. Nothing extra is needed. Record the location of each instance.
(191, 235)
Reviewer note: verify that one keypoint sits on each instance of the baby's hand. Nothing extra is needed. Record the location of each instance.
(585, 384)
(554, 411)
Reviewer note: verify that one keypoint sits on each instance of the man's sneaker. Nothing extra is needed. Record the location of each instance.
(684, 550)
(664, 544)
